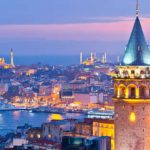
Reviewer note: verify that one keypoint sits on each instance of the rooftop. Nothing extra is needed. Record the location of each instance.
(137, 51)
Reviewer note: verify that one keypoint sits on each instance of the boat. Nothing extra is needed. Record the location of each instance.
(100, 113)
(48, 109)
(7, 106)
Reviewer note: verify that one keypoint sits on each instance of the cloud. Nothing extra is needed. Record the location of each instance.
(107, 19)
(103, 31)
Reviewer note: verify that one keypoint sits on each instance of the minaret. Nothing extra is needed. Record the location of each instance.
(132, 94)
(102, 59)
(91, 57)
(81, 58)
(105, 58)
(95, 56)
(118, 60)
(12, 58)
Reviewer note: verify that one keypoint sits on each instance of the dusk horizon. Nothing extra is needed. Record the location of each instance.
(74, 75)
(68, 27)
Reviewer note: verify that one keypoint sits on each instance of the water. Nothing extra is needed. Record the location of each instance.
(51, 59)
(9, 120)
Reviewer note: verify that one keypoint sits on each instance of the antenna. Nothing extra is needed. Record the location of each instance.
(137, 8)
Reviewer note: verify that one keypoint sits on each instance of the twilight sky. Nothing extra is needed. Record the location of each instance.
(68, 26)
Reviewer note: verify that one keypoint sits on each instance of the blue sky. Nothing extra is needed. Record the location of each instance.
(45, 27)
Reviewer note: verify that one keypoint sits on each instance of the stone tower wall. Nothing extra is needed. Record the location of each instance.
(132, 135)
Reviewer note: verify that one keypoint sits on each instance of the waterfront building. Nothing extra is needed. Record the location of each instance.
(132, 94)
(84, 128)
(84, 98)
(104, 127)
(17, 142)
(34, 133)
(4, 65)
(88, 143)
(77, 84)
(105, 143)
(45, 90)
(67, 95)
(2, 61)
(96, 97)
(3, 88)
(30, 71)
(95, 128)
(55, 129)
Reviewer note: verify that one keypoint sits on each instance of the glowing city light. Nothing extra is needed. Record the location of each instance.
(132, 117)
(55, 117)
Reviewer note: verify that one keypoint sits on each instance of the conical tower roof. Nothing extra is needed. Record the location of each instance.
(137, 52)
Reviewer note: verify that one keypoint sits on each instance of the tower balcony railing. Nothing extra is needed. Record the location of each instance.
(131, 97)
(132, 76)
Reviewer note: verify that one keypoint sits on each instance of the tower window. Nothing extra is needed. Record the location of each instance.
(143, 108)
(132, 72)
(142, 91)
(132, 117)
(132, 92)
(132, 107)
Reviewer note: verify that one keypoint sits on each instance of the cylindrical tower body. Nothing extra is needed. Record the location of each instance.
(132, 108)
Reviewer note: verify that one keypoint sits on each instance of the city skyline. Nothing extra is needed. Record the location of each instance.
(77, 75)
(68, 27)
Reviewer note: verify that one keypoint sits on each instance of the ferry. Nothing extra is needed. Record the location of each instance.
(48, 109)
(100, 113)
(4, 106)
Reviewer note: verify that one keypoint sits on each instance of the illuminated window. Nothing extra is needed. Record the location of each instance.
(132, 117)
(133, 92)
(49, 136)
(31, 136)
(142, 91)
(38, 136)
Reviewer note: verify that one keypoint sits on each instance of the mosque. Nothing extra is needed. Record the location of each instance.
(4, 65)
(93, 59)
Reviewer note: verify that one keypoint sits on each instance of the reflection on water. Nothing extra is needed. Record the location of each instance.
(16, 115)
(1, 118)
(9, 120)
(31, 114)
